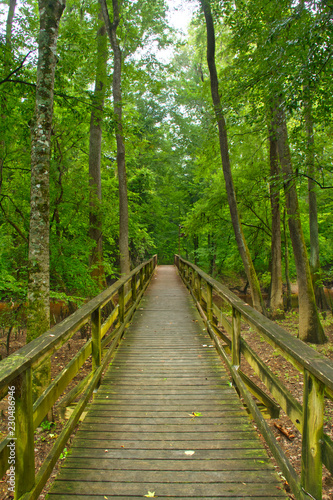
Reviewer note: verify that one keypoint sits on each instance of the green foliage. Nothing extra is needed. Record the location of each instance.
(177, 198)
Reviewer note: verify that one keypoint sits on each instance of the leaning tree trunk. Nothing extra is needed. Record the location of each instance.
(95, 147)
(313, 213)
(116, 89)
(276, 295)
(258, 302)
(39, 272)
(310, 328)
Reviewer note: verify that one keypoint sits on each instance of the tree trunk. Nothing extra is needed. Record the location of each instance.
(95, 147)
(258, 302)
(117, 106)
(9, 25)
(6, 67)
(313, 213)
(286, 262)
(310, 328)
(39, 272)
(276, 295)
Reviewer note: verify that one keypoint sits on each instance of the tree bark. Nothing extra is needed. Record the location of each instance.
(258, 302)
(39, 272)
(95, 147)
(310, 328)
(313, 212)
(9, 24)
(276, 295)
(117, 106)
(6, 66)
(286, 262)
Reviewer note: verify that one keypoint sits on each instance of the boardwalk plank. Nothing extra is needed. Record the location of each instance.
(192, 490)
(140, 434)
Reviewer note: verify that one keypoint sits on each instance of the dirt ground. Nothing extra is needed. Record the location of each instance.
(285, 432)
(287, 435)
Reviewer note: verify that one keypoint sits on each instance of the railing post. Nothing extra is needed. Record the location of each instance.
(96, 338)
(236, 337)
(121, 299)
(133, 284)
(141, 279)
(23, 445)
(312, 436)
(199, 288)
(209, 302)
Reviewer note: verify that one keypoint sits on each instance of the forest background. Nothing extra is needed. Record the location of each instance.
(269, 55)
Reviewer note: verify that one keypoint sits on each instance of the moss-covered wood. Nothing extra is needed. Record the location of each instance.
(318, 371)
(24, 432)
(17, 370)
(291, 348)
(313, 422)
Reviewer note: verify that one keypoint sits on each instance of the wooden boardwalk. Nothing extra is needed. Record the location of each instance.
(165, 419)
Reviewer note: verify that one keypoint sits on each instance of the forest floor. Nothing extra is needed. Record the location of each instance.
(285, 432)
(287, 435)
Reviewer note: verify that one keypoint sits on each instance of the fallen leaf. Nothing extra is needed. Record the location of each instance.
(150, 494)
(195, 414)
(284, 431)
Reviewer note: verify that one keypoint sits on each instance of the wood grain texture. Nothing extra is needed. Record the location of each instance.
(165, 418)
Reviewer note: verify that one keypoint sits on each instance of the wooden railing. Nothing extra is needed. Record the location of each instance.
(115, 305)
(317, 447)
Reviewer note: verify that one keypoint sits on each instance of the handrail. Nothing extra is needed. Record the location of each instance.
(16, 378)
(317, 447)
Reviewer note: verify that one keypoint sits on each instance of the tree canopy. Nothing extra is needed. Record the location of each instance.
(266, 53)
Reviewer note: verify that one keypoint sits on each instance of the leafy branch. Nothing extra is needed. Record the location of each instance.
(16, 70)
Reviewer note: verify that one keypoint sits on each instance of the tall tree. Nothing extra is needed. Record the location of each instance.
(276, 296)
(258, 302)
(39, 272)
(7, 58)
(111, 29)
(310, 328)
(95, 146)
(313, 211)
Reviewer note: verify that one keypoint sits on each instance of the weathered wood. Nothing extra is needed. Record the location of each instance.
(57, 387)
(146, 464)
(209, 302)
(54, 338)
(180, 490)
(272, 408)
(277, 452)
(236, 338)
(134, 288)
(328, 453)
(208, 455)
(96, 338)
(17, 368)
(109, 321)
(165, 394)
(296, 350)
(287, 402)
(317, 446)
(4, 454)
(23, 445)
(313, 422)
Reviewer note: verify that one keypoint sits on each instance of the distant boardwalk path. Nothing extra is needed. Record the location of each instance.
(141, 434)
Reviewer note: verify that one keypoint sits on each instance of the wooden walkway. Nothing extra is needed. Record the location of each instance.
(165, 419)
